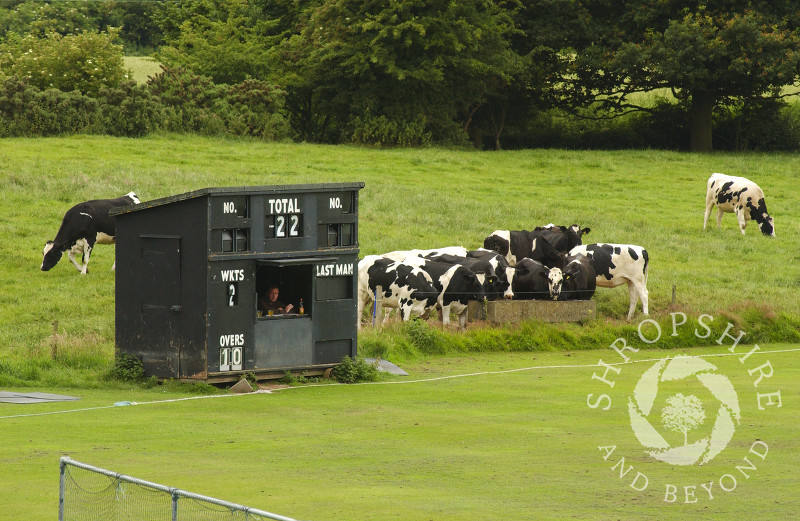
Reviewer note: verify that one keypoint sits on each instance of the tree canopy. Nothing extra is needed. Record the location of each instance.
(433, 71)
(708, 53)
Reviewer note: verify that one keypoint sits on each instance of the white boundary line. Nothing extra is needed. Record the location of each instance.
(394, 382)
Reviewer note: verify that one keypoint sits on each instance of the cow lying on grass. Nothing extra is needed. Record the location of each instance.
(83, 226)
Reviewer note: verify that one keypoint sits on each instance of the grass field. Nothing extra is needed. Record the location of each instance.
(412, 199)
(507, 446)
(503, 441)
(141, 67)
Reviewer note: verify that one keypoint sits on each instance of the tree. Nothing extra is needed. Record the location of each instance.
(682, 414)
(223, 39)
(397, 71)
(707, 52)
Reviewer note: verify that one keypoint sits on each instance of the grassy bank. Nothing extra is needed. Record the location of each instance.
(413, 198)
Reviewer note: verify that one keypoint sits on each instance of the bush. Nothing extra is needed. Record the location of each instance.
(85, 62)
(27, 111)
(766, 125)
(354, 370)
(381, 131)
(126, 368)
(130, 110)
(196, 104)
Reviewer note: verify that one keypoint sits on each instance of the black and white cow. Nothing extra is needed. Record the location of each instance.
(485, 270)
(405, 287)
(616, 264)
(513, 245)
(518, 244)
(543, 251)
(576, 280)
(739, 196)
(456, 284)
(563, 238)
(528, 280)
(88, 221)
(399, 255)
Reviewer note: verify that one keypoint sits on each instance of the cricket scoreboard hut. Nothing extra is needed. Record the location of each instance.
(192, 267)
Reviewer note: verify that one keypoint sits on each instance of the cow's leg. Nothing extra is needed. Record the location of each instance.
(462, 319)
(362, 300)
(87, 252)
(719, 217)
(644, 296)
(445, 315)
(709, 207)
(71, 257)
(742, 220)
(632, 296)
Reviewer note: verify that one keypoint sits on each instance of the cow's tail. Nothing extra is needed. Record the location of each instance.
(646, 258)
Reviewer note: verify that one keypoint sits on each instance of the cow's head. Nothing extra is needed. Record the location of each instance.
(509, 291)
(576, 234)
(499, 241)
(555, 279)
(51, 256)
(493, 286)
(472, 286)
(759, 214)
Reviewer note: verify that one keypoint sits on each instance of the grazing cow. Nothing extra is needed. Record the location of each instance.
(528, 280)
(740, 196)
(615, 264)
(405, 287)
(577, 279)
(456, 284)
(88, 221)
(399, 255)
(493, 285)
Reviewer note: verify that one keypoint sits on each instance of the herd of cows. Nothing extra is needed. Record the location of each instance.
(548, 263)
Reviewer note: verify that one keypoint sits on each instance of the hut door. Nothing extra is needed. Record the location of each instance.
(161, 296)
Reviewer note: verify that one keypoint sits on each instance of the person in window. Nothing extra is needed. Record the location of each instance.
(270, 302)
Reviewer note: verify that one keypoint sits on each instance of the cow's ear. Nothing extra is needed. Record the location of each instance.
(585, 231)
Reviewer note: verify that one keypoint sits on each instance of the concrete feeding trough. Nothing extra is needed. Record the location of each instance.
(516, 311)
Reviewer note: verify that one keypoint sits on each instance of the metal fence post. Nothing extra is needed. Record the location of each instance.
(175, 497)
(62, 481)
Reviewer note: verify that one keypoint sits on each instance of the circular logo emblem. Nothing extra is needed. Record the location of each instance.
(683, 413)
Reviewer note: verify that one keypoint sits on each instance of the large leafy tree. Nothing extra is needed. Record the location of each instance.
(223, 39)
(399, 71)
(708, 52)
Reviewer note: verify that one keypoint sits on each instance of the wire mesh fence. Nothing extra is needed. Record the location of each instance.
(88, 493)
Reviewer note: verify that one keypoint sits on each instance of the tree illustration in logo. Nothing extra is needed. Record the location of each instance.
(683, 413)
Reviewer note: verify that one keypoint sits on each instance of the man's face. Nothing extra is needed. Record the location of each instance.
(273, 294)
